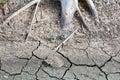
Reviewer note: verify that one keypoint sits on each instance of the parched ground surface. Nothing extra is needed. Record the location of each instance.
(94, 56)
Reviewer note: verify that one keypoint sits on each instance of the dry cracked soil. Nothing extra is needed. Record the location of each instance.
(94, 56)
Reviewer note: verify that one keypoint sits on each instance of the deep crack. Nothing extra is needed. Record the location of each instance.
(19, 73)
(106, 62)
(23, 65)
(106, 75)
(37, 72)
(65, 57)
(66, 71)
(71, 63)
(95, 65)
(68, 61)
(36, 47)
(75, 63)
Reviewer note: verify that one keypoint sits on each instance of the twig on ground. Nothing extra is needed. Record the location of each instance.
(82, 19)
(63, 42)
(20, 10)
(38, 1)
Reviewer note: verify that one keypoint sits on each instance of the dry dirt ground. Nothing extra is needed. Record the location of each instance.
(94, 56)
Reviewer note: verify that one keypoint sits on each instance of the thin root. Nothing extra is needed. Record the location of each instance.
(83, 21)
(20, 10)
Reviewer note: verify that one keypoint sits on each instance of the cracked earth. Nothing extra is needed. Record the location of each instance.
(94, 56)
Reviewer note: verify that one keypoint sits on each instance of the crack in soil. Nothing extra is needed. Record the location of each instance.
(75, 63)
(95, 65)
(66, 71)
(22, 66)
(37, 72)
(106, 75)
(106, 62)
